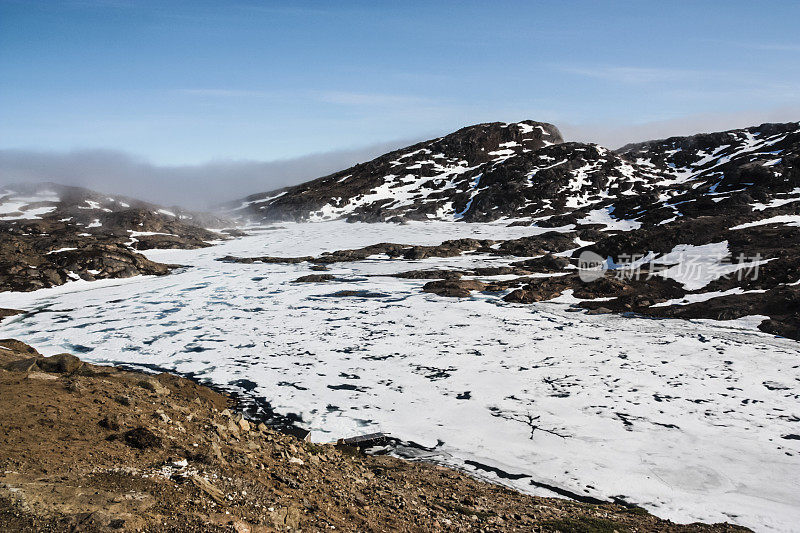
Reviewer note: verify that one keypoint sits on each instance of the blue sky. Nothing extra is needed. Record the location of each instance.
(182, 83)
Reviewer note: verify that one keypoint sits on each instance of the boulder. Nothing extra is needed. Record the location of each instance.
(63, 363)
(24, 365)
(454, 288)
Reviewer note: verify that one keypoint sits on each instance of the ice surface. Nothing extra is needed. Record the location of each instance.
(688, 418)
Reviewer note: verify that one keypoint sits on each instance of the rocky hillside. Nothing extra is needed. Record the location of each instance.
(437, 179)
(95, 448)
(51, 234)
(525, 172)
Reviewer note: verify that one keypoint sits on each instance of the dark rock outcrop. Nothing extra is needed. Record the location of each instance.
(51, 234)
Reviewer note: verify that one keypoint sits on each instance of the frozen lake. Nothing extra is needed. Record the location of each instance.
(695, 421)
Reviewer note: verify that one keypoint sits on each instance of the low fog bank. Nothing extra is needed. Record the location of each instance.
(192, 186)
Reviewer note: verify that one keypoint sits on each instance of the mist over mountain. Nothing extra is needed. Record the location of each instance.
(192, 186)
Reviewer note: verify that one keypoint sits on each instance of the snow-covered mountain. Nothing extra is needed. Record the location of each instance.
(525, 172)
(439, 179)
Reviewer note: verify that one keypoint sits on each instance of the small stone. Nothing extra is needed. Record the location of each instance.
(314, 278)
(153, 385)
(142, 438)
(123, 400)
(216, 451)
(599, 311)
(110, 422)
(241, 527)
(75, 386)
(206, 486)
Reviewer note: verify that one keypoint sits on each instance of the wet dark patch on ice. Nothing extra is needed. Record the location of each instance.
(567, 493)
(668, 426)
(80, 348)
(502, 474)
(434, 374)
(347, 386)
(194, 349)
(291, 384)
(245, 384)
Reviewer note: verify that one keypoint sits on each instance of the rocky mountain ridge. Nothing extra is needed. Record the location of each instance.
(429, 180)
(525, 173)
(51, 234)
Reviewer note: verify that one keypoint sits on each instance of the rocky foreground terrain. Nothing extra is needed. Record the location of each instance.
(51, 234)
(95, 448)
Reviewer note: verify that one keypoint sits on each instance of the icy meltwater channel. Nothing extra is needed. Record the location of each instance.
(692, 420)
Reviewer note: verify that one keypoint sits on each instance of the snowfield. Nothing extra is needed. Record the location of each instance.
(693, 420)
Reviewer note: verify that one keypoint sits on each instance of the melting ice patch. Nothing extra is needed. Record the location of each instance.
(682, 417)
(20, 207)
(789, 220)
(697, 266)
(603, 216)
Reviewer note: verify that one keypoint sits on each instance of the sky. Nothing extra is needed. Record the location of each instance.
(290, 89)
